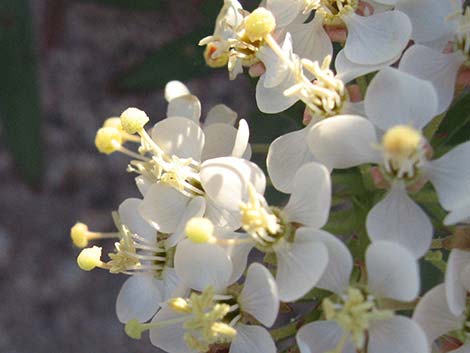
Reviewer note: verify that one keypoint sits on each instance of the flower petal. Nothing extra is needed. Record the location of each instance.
(195, 208)
(241, 140)
(433, 314)
(163, 207)
(397, 98)
(187, 106)
(272, 100)
(222, 114)
(130, 216)
(253, 339)
(169, 337)
(180, 137)
(222, 218)
(455, 291)
(238, 253)
(310, 201)
(450, 176)
(284, 11)
(377, 38)
(438, 68)
(300, 264)
(202, 265)
(286, 155)
(175, 89)
(139, 298)
(392, 271)
(225, 180)
(398, 334)
(459, 215)
(398, 218)
(220, 138)
(321, 337)
(259, 296)
(340, 263)
(343, 141)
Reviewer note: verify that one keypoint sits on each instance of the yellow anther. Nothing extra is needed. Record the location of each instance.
(114, 122)
(222, 329)
(89, 258)
(108, 140)
(259, 24)
(133, 120)
(79, 233)
(134, 329)
(199, 229)
(180, 305)
(401, 141)
(215, 61)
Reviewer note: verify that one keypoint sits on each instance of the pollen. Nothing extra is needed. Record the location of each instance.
(199, 230)
(79, 233)
(133, 120)
(89, 258)
(259, 24)
(401, 141)
(108, 140)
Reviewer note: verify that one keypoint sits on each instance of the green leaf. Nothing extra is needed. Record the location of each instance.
(19, 97)
(456, 120)
(139, 5)
(181, 59)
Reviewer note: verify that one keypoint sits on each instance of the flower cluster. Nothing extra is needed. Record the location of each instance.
(209, 260)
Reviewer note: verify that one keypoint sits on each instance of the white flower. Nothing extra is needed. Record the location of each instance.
(435, 317)
(400, 105)
(457, 280)
(180, 327)
(358, 320)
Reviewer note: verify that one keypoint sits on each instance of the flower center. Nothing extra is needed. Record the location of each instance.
(462, 35)
(354, 313)
(331, 10)
(403, 150)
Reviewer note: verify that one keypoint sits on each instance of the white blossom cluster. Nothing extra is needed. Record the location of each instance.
(210, 261)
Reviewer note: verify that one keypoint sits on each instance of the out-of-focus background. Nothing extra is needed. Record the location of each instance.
(65, 66)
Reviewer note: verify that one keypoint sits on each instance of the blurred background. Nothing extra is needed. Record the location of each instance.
(65, 66)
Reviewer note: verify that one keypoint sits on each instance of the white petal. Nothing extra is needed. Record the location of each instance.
(392, 271)
(398, 218)
(300, 265)
(276, 69)
(187, 106)
(130, 216)
(202, 265)
(175, 89)
(310, 201)
(322, 337)
(179, 136)
(348, 70)
(220, 139)
(450, 176)
(310, 40)
(222, 218)
(397, 98)
(171, 283)
(455, 291)
(398, 334)
(220, 114)
(195, 208)
(459, 215)
(433, 314)
(143, 184)
(340, 263)
(241, 141)
(354, 108)
(286, 155)
(252, 339)
(259, 296)
(377, 38)
(430, 24)
(238, 253)
(139, 298)
(169, 337)
(284, 11)
(438, 68)
(225, 180)
(163, 207)
(387, 2)
(343, 141)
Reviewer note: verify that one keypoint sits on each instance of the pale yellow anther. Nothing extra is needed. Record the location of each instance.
(79, 233)
(134, 329)
(180, 305)
(199, 230)
(108, 140)
(89, 258)
(220, 328)
(259, 24)
(114, 122)
(133, 120)
(401, 141)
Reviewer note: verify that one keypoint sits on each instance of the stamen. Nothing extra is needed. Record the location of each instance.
(81, 235)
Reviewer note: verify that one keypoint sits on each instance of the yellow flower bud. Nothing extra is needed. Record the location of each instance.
(78, 233)
(133, 120)
(259, 24)
(108, 140)
(401, 141)
(89, 258)
(199, 230)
